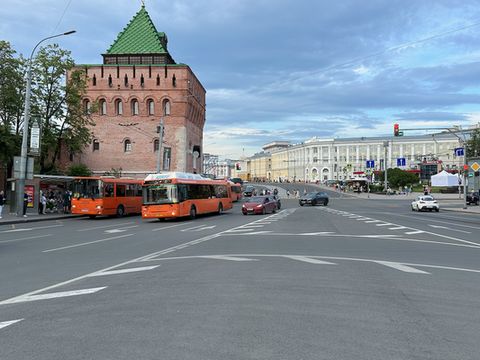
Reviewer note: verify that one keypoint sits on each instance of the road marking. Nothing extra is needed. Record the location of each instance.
(401, 267)
(385, 224)
(398, 228)
(447, 228)
(191, 228)
(87, 243)
(4, 324)
(105, 226)
(25, 238)
(256, 232)
(28, 298)
(123, 271)
(372, 221)
(112, 231)
(168, 227)
(225, 257)
(205, 228)
(308, 260)
(317, 233)
(33, 228)
(414, 232)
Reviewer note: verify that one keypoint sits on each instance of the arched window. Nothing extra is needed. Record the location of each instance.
(119, 107)
(156, 145)
(166, 107)
(96, 145)
(102, 107)
(127, 145)
(134, 107)
(151, 107)
(86, 106)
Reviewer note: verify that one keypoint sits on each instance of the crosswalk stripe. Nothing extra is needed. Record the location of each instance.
(4, 324)
(308, 260)
(124, 271)
(55, 295)
(414, 232)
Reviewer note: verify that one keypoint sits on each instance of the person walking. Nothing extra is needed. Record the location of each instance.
(43, 200)
(66, 201)
(2, 202)
(25, 204)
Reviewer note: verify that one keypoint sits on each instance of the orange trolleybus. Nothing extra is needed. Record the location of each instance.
(235, 191)
(176, 194)
(106, 196)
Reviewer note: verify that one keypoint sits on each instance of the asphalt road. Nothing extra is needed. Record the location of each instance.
(358, 279)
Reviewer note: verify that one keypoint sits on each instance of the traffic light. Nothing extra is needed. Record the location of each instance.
(396, 130)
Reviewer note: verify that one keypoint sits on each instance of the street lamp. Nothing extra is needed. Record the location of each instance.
(26, 117)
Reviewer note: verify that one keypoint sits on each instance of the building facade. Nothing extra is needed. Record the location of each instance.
(319, 159)
(137, 88)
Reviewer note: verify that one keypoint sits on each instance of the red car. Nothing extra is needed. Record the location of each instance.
(259, 205)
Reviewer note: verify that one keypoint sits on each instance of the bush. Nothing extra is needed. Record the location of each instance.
(79, 170)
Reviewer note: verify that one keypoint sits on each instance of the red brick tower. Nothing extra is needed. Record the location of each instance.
(138, 85)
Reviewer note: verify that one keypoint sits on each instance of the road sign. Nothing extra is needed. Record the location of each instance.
(401, 162)
(459, 152)
(370, 164)
(465, 167)
(475, 167)
(470, 174)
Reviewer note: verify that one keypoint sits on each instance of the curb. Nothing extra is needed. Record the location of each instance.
(460, 211)
(27, 220)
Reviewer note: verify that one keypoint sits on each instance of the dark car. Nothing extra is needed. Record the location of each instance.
(259, 205)
(237, 181)
(249, 191)
(473, 198)
(314, 198)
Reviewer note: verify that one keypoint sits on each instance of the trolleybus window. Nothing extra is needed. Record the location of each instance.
(87, 188)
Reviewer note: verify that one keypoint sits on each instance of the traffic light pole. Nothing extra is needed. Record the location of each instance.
(385, 165)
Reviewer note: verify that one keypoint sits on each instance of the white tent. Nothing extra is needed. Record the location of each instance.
(445, 179)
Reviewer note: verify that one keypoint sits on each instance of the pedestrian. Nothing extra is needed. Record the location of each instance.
(288, 193)
(43, 200)
(25, 204)
(2, 202)
(275, 191)
(66, 201)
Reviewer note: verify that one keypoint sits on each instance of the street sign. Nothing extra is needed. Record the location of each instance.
(465, 167)
(401, 162)
(370, 164)
(475, 167)
(470, 174)
(459, 152)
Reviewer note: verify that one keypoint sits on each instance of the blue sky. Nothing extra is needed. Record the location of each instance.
(290, 70)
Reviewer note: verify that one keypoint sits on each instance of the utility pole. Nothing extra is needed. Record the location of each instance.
(385, 165)
(160, 131)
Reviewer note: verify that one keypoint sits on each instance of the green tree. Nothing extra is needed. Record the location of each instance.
(57, 103)
(399, 178)
(473, 144)
(79, 170)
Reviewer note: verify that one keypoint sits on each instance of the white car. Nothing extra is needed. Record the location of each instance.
(425, 202)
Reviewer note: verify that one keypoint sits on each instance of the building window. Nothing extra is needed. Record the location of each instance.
(142, 81)
(126, 80)
(167, 156)
(127, 146)
(174, 81)
(96, 145)
(119, 107)
(151, 107)
(94, 80)
(86, 106)
(134, 107)
(158, 80)
(103, 107)
(166, 107)
(156, 144)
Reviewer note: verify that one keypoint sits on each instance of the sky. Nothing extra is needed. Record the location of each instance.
(291, 70)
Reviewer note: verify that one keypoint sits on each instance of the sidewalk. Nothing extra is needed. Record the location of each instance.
(12, 218)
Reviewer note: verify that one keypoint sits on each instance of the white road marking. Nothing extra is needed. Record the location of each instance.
(401, 267)
(384, 224)
(447, 228)
(4, 324)
(25, 238)
(308, 260)
(206, 228)
(372, 221)
(105, 226)
(317, 233)
(33, 228)
(398, 228)
(168, 227)
(123, 229)
(28, 298)
(414, 232)
(225, 257)
(123, 271)
(88, 243)
(191, 228)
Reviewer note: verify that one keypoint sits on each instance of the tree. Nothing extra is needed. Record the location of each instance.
(58, 105)
(473, 144)
(399, 178)
(79, 170)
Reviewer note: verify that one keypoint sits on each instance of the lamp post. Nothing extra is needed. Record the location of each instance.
(26, 117)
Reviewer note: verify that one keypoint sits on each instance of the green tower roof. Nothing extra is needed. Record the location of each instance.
(139, 37)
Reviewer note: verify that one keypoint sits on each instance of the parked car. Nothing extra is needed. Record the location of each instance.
(259, 205)
(314, 198)
(425, 202)
(473, 198)
(249, 191)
